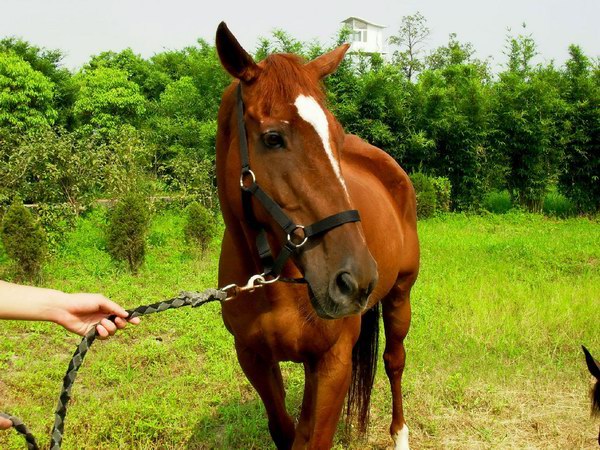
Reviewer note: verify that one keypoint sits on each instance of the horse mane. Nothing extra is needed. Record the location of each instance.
(285, 76)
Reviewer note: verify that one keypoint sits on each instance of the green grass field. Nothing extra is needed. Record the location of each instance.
(500, 309)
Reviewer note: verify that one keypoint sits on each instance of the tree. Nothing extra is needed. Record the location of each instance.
(24, 240)
(47, 62)
(128, 225)
(411, 37)
(26, 96)
(527, 110)
(580, 177)
(151, 80)
(106, 100)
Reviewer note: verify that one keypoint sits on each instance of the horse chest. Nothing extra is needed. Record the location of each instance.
(282, 332)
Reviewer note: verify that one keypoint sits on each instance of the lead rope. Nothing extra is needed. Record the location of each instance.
(193, 299)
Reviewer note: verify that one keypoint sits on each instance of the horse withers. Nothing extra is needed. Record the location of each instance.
(329, 222)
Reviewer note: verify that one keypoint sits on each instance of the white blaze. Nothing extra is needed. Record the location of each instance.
(310, 111)
(401, 439)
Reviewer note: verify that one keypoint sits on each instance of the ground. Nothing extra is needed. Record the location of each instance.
(500, 310)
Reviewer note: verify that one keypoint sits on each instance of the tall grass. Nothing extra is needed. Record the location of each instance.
(499, 311)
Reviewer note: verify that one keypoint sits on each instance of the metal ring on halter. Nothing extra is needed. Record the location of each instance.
(243, 175)
(292, 243)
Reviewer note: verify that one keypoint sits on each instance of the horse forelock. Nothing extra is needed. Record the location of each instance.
(284, 77)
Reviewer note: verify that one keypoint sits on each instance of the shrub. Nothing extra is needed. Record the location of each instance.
(557, 205)
(443, 191)
(425, 191)
(24, 240)
(497, 202)
(200, 226)
(127, 229)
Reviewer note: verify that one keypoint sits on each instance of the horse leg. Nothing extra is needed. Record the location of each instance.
(396, 320)
(266, 378)
(326, 383)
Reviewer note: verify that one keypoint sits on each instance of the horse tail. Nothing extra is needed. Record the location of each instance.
(364, 366)
(594, 368)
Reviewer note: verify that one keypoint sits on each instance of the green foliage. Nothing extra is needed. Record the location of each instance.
(410, 39)
(47, 62)
(557, 205)
(580, 177)
(443, 191)
(26, 96)
(127, 229)
(106, 100)
(527, 114)
(200, 227)
(426, 195)
(497, 202)
(24, 240)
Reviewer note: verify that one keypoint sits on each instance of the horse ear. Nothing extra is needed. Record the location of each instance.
(233, 57)
(593, 365)
(327, 64)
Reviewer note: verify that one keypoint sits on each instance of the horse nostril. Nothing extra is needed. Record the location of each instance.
(370, 288)
(346, 284)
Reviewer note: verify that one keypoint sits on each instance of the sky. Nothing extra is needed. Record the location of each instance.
(82, 28)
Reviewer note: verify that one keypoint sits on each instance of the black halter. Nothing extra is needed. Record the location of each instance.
(273, 266)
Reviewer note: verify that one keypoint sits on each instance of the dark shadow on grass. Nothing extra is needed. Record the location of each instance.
(232, 425)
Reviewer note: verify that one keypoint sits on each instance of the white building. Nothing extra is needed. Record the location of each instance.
(366, 37)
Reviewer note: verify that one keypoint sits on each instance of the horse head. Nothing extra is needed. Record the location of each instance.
(294, 147)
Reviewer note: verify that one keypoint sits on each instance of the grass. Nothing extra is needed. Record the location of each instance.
(499, 311)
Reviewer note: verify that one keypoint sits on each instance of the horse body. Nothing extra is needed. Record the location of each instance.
(349, 269)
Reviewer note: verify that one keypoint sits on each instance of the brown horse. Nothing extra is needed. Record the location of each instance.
(306, 170)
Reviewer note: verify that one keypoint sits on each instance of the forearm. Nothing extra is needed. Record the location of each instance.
(28, 303)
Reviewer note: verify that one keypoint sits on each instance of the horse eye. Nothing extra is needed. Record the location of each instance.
(272, 139)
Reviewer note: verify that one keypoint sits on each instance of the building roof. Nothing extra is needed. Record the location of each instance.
(363, 20)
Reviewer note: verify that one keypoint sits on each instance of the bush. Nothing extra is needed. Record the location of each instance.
(497, 202)
(127, 228)
(557, 205)
(443, 192)
(200, 226)
(425, 191)
(24, 240)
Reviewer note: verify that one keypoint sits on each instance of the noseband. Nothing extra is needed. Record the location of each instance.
(272, 266)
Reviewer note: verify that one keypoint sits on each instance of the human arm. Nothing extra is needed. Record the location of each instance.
(75, 312)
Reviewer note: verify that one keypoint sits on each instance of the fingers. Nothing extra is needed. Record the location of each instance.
(111, 307)
(5, 424)
(106, 328)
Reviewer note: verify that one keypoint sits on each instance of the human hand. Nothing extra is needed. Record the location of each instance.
(5, 424)
(79, 312)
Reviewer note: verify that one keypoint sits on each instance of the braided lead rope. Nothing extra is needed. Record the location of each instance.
(193, 299)
(21, 428)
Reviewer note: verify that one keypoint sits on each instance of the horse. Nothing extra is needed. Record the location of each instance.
(283, 161)
(594, 368)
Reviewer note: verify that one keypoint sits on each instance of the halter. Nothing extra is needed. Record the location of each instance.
(272, 266)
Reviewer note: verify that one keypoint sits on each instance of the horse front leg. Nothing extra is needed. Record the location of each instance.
(266, 378)
(326, 383)
(396, 320)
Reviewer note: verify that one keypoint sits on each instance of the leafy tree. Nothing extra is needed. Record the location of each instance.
(47, 62)
(527, 124)
(106, 100)
(411, 37)
(128, 225)
(454, 113)
(151, 80)
(26, 96)
(426, 196)
(24, 240)
(580, 178)
(199, 227)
